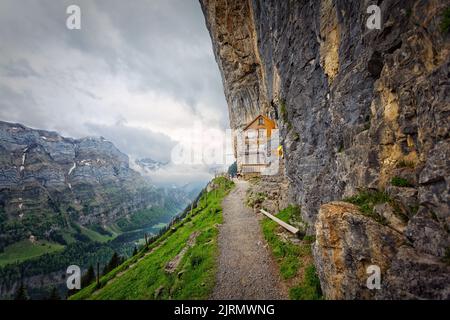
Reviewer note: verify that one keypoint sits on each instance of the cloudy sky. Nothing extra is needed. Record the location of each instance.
(140, 73)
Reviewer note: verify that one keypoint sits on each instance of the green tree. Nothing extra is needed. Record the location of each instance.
(115, 261)
(54, 294)
(22, 293)
(88, 277)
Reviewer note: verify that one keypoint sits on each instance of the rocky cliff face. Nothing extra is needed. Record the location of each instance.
(48, 183)
(358, 109)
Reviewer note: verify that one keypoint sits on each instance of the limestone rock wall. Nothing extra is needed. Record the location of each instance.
(233, 33)
(356, 108)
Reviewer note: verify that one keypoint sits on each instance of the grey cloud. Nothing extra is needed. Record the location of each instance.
(89, 94)
(136, 142)
(11, 102)
(168, 48)
(172, 175)
(164, 44)
(51, 77)
(19, 68)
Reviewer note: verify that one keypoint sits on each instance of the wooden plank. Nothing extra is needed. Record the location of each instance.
(288, 227)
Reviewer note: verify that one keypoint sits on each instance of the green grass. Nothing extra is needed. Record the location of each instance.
(68, 238)
(283, 111)
(400, 182)
(145, 218)
(114, 230)
(94, 233)
(95, 236)
(291, 257)
(286, 253)
(366, 200)
(25, 250)
(196, 273)
(309, 238)
(309, 289)
(285, 117)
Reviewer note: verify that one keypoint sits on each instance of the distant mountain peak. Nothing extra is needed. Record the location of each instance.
(149, 164)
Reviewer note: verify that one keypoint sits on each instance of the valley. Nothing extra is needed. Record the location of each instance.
(65, 201)
(24, 250)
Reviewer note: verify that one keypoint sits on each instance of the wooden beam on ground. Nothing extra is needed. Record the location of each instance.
(288, 227)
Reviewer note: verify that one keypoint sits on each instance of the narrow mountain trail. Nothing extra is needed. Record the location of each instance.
(246, 269)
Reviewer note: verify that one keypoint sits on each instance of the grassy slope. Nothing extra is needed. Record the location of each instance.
(195, 275)
(294, 260)
(24, 250)
(159, 225)
(95, 236)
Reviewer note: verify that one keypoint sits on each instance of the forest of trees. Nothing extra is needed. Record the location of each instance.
(85, 254)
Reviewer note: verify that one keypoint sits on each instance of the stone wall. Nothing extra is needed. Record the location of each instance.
(356, 108)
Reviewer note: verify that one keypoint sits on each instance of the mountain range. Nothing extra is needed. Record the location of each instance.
(57, 191)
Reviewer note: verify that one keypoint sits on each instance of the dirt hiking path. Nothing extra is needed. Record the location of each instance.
(246, 270)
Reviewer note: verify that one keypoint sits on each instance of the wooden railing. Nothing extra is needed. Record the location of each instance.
(288, 227)
(253, 168)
